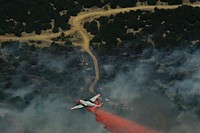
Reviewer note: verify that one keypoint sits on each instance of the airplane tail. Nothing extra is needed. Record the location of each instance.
(96, 101)
(100, 104)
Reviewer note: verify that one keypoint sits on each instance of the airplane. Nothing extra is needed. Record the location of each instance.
(91, 103)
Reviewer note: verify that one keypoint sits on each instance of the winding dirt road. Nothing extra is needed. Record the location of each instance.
(77, 26)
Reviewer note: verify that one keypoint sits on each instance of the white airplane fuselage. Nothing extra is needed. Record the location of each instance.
(91, 103)
(86, 103)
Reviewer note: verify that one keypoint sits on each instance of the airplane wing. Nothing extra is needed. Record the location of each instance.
(77, 107)
(95, 97)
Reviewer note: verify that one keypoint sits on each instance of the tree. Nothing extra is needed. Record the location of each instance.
(46, 26)
(55, 30)
(164, 0)
(17, 33)
(65, 26)
(175, 2)
(103, 20)
(38, 32)
(91, 27)
(127, 3)
(2, 32)
(151, 2)
(28, 28)
(192, 1)
(69, 45)
(142, 0)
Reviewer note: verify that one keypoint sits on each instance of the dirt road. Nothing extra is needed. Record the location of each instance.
(77, 26)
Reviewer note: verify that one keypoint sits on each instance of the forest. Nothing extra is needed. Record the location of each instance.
(158, 29)
(17, 16)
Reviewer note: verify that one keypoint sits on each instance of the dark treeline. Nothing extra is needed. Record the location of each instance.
(170, 2)
(17, 16)
(165, 28)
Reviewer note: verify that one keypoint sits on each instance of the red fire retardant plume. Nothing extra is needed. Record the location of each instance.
(116, 124)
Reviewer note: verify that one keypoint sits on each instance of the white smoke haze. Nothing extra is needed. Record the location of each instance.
(125, 87)
(49, 116)
(188, 123)
(55, 63)
(170, 71)
(190, 85)
(21, 91)
(148, 87)
(52, 63)
(48, 88)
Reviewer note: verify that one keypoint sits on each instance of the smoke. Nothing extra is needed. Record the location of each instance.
(130, 82)
(55, 63)
(22, 92)
(156, 88)
(49, 116)
(38, 94)
(188, 123)
(189, 85)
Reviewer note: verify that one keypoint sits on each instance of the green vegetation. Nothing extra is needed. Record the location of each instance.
(17, 16)
(165, 28)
